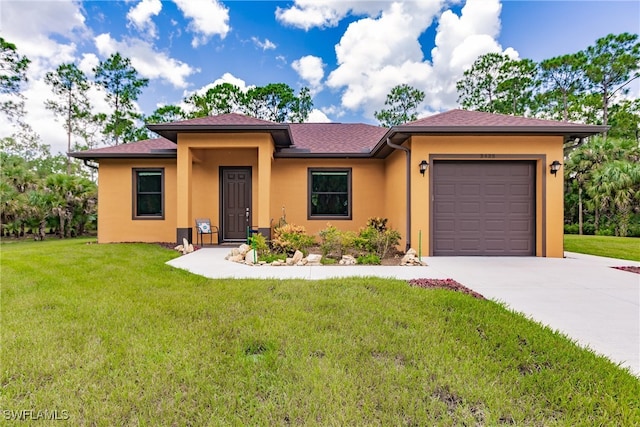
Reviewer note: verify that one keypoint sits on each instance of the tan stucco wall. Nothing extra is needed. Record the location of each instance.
(290, 190)
(542, 149)
(115, 203)
(395, 203)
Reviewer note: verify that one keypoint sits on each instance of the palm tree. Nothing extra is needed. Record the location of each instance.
(616, 188)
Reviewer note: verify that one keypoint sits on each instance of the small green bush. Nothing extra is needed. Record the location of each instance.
(259, 243)
(371, 240)
(571, 229)
(330, 241)
(328, 261)
(270, 257)
(370, 259)
(378, 223)
(604, 231)
(588, 228)
(289, 238)
(335, 243)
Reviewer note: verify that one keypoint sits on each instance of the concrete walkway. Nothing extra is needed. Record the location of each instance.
(580, 295)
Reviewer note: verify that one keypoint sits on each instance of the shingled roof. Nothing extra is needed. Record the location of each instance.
(231, 122)
(332, 138)
(148, 148)
(464, 120)
(340, 139)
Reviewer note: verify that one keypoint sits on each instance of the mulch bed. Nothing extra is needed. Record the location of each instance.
(444, 284)
(630, 269)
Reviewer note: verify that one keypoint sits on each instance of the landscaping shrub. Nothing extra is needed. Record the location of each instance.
(290, 237)
(378, 223)
(605, 231)
(376, 241)
(334, 243)
(370, 259)
(588, 228)
(270, 257)
(259, 243)
(571, 229)
(330, 241)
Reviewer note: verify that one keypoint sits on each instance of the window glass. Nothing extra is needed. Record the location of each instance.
(329, 193)
(148, 196)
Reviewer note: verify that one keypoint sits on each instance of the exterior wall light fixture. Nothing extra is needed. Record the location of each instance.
(423, 167)
(555, 167)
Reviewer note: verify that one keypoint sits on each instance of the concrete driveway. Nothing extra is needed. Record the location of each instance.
(580, 295)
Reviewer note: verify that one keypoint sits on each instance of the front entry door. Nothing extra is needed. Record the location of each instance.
(236, 202)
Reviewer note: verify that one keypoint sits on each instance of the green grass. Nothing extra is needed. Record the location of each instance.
(113, 336)
(607, 246)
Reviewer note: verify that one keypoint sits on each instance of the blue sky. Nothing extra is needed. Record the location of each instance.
(350, 53)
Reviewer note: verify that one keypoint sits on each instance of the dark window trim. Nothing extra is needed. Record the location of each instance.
(349, 215)
(134, 194)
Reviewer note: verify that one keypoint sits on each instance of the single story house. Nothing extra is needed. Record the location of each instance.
(456, 183)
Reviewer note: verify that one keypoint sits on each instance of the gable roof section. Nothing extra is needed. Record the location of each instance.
(227, 123)
(480, 121)
(148, 148)
(460, 122)
(332, 140)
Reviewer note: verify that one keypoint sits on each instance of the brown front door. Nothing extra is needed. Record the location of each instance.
(236, 202)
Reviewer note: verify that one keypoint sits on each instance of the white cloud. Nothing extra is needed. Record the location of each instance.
(317, 116)
(32, 36)
(307, 14)
(88, 62)
(47, 33)
(310, 69)
(372, 59)
(140, 16)
(264, 45)
(147, 61)
(209, 18)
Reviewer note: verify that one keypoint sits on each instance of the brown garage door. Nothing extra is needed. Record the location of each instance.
(484, 208)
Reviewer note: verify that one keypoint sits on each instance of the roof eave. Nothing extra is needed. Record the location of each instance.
(99, 156)
(585, 130)
(307, 155)
(279, 132)
(399, 134)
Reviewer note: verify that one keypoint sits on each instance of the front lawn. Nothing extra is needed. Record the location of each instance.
(110, 335)
(607, 246)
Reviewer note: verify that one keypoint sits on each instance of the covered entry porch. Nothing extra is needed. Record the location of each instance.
(227, 179)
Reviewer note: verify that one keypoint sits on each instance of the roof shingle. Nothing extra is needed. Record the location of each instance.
(462, 118)
(138, 148)
(335, 137)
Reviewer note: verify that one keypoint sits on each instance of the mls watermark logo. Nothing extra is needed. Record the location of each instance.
(35, 415)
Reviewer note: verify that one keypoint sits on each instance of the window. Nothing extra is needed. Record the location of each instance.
(148, 193)
(329, 193)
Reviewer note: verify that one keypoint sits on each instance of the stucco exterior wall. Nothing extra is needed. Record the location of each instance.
(541, 149)
(395, 204)
(115, 203)
(290, 185)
